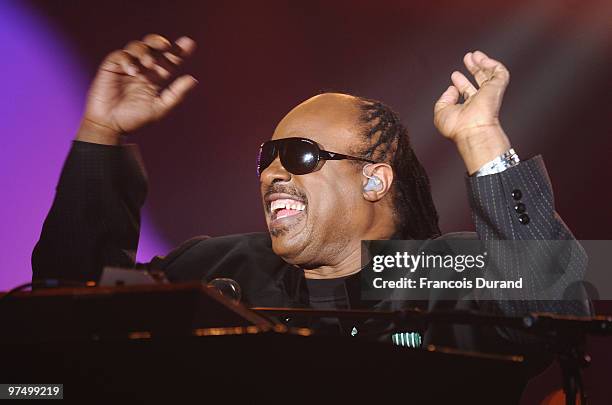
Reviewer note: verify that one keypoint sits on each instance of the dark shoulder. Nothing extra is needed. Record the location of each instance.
(223, 256)
(219, 244)
(243, 240)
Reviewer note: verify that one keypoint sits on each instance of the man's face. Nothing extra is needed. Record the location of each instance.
(316, 215)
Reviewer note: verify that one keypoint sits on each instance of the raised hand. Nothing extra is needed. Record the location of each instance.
(135, 86)
(474, 124)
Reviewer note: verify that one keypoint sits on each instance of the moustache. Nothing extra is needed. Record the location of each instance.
(279, 188)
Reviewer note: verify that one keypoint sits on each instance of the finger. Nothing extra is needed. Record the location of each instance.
(480, 56)
(462, 84)
(182, 48)
(141, 51)
(137, 49)
(175, 93)
(185, 46)
(121, 62)
(155, 66)
(449, 97)
(159, 64)
(157, 53)
(160, 48)
(157, 42)
(494, 70)
(474, 69)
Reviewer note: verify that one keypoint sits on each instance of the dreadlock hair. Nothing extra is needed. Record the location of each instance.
(387, 141)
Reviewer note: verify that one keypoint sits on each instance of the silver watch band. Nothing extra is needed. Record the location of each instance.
(503, 162)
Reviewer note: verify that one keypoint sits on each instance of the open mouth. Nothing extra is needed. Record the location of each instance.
(285, 208)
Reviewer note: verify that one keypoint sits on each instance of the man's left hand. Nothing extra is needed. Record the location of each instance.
(474, 124)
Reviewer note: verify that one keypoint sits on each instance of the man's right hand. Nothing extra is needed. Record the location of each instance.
(135, 86)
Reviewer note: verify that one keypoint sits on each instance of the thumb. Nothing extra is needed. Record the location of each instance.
(174, 94)
(449, 97)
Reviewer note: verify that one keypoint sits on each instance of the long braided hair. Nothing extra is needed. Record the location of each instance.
(387, 139)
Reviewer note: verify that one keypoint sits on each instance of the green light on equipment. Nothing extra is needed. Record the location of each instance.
(407, 339)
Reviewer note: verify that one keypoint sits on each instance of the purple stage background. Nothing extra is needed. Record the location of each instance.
(256, 60)
(42, 86)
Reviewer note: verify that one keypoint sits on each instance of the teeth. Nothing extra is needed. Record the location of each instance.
(287, 204)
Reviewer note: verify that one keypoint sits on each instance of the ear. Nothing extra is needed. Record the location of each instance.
(384, 172)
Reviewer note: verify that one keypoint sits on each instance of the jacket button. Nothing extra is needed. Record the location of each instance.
(520, 208)
(517, 194)
(524, 219)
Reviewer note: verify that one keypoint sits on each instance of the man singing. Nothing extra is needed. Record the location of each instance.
(338, 169)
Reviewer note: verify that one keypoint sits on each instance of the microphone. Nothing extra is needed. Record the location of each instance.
(227, 287)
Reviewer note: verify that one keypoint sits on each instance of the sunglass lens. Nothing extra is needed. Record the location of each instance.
(267, 154)
(299, 156)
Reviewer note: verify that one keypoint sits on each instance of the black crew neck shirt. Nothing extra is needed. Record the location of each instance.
(328, 293)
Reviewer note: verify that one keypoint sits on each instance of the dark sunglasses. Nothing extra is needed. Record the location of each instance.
(297, 155)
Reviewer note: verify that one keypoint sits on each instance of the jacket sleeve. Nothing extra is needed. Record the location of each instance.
(514, 215)
(95, 217)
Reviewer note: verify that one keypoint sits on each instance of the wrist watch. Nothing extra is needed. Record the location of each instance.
(503, 162)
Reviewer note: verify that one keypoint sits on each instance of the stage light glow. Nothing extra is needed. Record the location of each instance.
(43, 93)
